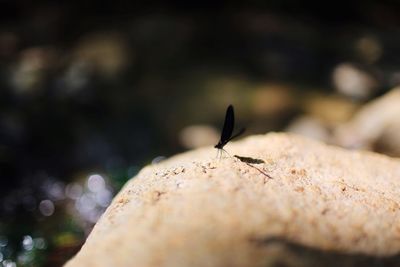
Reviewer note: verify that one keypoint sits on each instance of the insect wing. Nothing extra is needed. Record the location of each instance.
(229, 123)
(238, 134)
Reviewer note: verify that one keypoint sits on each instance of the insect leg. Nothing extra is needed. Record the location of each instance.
(226, 152)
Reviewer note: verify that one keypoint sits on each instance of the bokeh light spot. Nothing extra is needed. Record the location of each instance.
(39, 243)
(103, 198)
(9, 263)
(3, 241)
(46, 207)
(73, 190)
(27, 242)
(96, 183)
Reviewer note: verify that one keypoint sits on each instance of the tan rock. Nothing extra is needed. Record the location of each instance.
(321, 205)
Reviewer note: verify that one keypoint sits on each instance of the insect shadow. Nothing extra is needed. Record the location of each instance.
(227, 130)
(250, 161)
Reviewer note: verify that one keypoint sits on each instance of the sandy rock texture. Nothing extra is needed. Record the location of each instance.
(288, 201)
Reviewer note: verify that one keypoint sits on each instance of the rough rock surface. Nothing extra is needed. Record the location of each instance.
(321, 205)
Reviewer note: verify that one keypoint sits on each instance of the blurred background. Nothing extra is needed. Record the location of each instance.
(90, 93)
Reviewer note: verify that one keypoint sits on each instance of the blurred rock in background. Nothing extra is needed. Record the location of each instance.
(354, 82)
(374, 126)
(196, 136)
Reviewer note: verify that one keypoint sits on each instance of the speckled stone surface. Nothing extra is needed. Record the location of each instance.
(291, 202)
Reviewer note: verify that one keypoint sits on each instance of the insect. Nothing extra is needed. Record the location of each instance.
(227, 130)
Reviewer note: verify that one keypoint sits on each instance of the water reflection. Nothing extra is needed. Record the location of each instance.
(84, 200)
(91, 200)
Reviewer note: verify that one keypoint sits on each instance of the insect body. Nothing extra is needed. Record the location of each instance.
(227, 129)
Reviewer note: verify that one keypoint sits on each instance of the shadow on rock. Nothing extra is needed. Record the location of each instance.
(284, 253)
